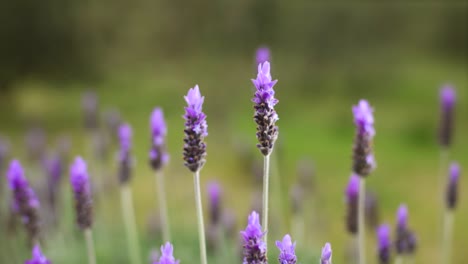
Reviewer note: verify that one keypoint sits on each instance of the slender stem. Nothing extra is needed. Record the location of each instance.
(201, 226)
(90, 246)
(399, 259)
(130, 224)
(266, 167)
(163, 206)
(447, 237)
(298, 226)
(361, 228)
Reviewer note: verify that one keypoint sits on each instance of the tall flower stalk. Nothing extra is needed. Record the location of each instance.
(80, 183)
(25, 202)
(194, 154)
(125, 168)
(158, 159)
(451, 203)
(363, 163)
(265, 117)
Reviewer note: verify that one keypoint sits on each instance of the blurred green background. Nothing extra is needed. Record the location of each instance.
(326, 55)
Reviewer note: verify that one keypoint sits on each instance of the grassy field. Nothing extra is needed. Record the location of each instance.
(315, 122)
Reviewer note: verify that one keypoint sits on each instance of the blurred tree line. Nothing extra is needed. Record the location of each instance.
(69, 39)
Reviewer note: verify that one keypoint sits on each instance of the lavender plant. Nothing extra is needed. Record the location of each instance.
(326, 257)
(128, 213)
(158, 159)
(384, 244)
(405, 239)
(38, 257)
(194, 153)
(287, 250)
(363, 162)
(81, 187)
(262, 55)
(167, 255)
(267, 132)
(254, 246)
(25, 202)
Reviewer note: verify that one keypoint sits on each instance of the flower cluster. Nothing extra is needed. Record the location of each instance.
(384, 244)
(125, 159)
(326, 257)
(287, 250)
(265, 115)
(195, 130)
(447, 101)
(352, 194)
(363, 156)
(80, 184)
(158, 154)
(452, 187)
(405, 241)
(167, 255)
(254, 246)
(37, 257)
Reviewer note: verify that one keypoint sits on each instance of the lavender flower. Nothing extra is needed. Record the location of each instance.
(326, 254)
(254, 246)
(25, 202)
(89, 103)
(287, 250)
(371, 210)
(195, 130)
(158, 154)
(37, 257)
(262, 55)
(54, 170)
(167, 255)
(452, 188)
(80, 184)
(265, 115)
(384, 244)
(403, 238)
(402, 217)
(125, 159)
(352, 194)
(214, 195)
(363, 157)
(447, 101)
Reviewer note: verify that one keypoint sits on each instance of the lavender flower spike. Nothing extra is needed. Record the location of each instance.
(326, 254)
(37, 257)
(402, 217)
(287, 250)
(125, 159)
(265, 115)
(158, 154)
(262, 55)
(195, 130)
(447, 101)
(452, 188)
(79, 180)
(214, 195)
(254, 246)
(167, 255)
(363, 157)
(25, 201)
(352, 194)
(384, 243)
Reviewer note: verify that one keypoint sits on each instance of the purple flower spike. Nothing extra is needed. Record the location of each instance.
(196, 130)
(254, 246)
(402, 217)
(447, 101)
(37, 257)
(287, 250)
(214, 195)
(326, 254)
(167, 255)
(262, 55)
(352, 194)
(452, 187)
(265, 115)
(79, 180)
(363, 157)
(384, 243)
(25, 202)
(125, 160)
(158, 154)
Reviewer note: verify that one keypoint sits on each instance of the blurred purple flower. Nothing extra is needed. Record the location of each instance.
(402, 217)
(125, 160)
(89, 102)
(326, 257)
(287, 250)
(167, 255)
(384, 243)
(158, 154)
(452, 187)
(113, 120)
(352, 193)
(80, 184)
(254, 246)
(265, 115)
(363, 156)
(195, 130)
(37, 257)
(262, 55)
(447, 101)
(214, 195)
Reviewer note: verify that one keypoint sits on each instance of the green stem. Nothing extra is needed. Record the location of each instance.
(163, 206)
(266, 167)
(447, 237)
(201, 226)
(130, 224)
(90, 246)
(361, 227)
